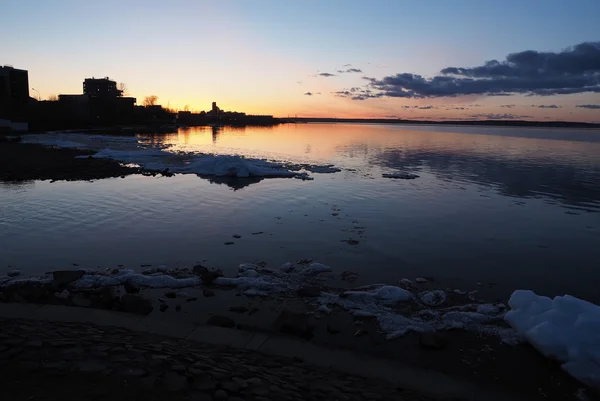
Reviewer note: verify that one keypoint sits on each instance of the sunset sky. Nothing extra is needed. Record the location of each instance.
(429, 59)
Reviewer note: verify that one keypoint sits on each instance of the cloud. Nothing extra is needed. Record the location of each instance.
(308, 94)
(428, 107)
(573, 70)
(347, 65)
(326, 75)
(544, 106)
(349, 70)
(589, 106)
(508, 106)
(493, 116)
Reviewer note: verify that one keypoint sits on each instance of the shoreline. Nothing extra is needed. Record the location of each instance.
(206, 301)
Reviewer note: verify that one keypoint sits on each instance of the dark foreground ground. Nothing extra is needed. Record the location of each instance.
(22, 162)
(73, 361)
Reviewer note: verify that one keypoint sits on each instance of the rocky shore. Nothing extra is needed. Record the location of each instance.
(72, 361)
(23, 162)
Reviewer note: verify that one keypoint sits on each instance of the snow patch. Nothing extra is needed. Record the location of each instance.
(564, 328)
(126, 275)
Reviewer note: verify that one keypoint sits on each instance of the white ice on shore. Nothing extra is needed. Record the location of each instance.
(385, 293)
(421, 280)
(564, 328)
(315, 268)
(433, 298)
(126, 275)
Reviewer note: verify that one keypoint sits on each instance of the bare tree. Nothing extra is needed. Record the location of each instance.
(53, 98)
(150, 100)
(123, 89)
(186, 107)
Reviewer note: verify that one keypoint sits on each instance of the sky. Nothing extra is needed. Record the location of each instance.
(429, 59)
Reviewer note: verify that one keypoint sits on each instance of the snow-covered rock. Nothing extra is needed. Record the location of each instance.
(564, 328)
(433, 298)
(315, 268)
(421, 280)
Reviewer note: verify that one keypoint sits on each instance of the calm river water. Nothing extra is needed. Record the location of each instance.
(504, 207)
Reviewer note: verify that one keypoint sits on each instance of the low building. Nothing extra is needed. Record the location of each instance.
(101, 87)
(14, 98)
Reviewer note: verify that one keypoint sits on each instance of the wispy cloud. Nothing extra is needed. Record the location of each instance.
(326, 75)
(349, 70)
(589, 106)
(573, 70)
(493, 116)
(428, 107)
(546, 106)
(508, 106)
(308, 94)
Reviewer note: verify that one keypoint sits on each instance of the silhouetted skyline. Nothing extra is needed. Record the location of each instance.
(347, 59)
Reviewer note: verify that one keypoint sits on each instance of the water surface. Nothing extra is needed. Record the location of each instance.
(505, 207)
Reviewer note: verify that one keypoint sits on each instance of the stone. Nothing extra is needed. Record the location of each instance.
(221, 321)
(236, 236)
(360, 332)
(309, 292)
(331, 329)
(220, 395)
(107, 295)
(178, 308)
(131, 372)
(174, 381)
(33, 344)
(201, 397)
(207, 276)
(254, 381)
(65, 277)
(131, 288)
(294, 323)
(240, 382)
(163, 307)
(136, 304)
(191, 299)
(208, 293)
(230, 387)
(58, 365)
(81, 301)
(90, 366)
(170, 294)
(239, 309)
(205, 384)
(13, 273)
(178, 368)
(433, 340)
(229, 243)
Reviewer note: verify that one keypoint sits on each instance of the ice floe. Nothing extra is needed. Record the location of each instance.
(564, 328)
(400, 175)
(433, 298)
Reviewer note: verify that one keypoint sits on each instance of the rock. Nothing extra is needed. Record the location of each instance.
(13, 273)
(433, 340)
(131, 372)
(221, 321)
(349, 276)
(294, 323)
(65, 277)
(81, 301)
(254, 381)
(191, 299)
(64, 294)
(231, 387)
(207, 276)
(309, 291)
(238, 309)
(421, 280)
(136, 304)
(131, 288)
(360, 332)
(332, 330)
(236, 236)
(178, 308)
(208, 293)
(174, 381)
(91, 366)
(108, 296)
(201, 397)
(163, 307)
(220, 395)
(351, 241)
(205, 384)
(115, 271)
(229, 243)
(170, 294)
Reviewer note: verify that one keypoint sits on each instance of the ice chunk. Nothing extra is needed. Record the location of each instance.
(249, 273)
(13, 273)
(406, 281)
(391, 293)
(316, 268)
(401, 175)
(247, 266)
(565, 328)
(433, 298)
(286, 267)
(421, 280)
(154, 281)
(324, 309)
(488, 309)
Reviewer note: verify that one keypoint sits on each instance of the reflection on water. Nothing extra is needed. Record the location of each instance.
(507, 207)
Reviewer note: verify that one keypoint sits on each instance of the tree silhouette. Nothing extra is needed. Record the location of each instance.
(123, 89)
(53, 98)
(186, 107)
(150, 100)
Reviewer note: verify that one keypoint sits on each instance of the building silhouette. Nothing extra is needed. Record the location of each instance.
(14, 99)
(101, 87)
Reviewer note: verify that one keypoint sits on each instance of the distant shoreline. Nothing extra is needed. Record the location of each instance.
(494, 123)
